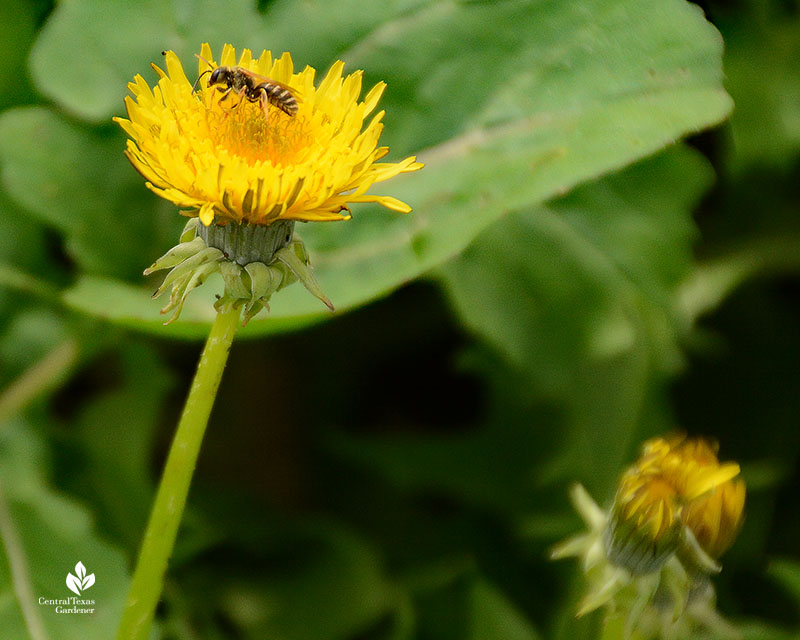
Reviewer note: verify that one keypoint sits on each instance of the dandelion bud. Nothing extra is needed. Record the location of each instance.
(643, 530)
(676, 495)
(675, 511)
(716, 517)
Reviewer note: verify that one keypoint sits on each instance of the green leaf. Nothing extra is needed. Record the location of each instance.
(715, 279)
(296, 579)
(495, 618)
(23, 252)
(29, 336)
(75, 180)
(579, 297)
(17, 24)
(118, 480)
(109, 42)
(787, 574)
(90, 81)
(580, 270)
(22, 241)
(571, 94)
(53, 535)
(762, 45)
(472, 608)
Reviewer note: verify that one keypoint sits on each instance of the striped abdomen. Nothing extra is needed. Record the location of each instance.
(280, 97)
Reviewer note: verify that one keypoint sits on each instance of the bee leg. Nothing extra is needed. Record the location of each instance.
(265, 104)
(224, 96)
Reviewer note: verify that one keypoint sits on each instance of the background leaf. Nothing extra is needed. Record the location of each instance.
(72, 181)
(552, 112)
(56, 533)
(578, 297)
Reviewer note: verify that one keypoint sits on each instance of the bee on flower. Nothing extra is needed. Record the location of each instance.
(246, 155)
(676, 510)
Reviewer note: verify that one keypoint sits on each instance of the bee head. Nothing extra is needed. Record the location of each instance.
(218, 75)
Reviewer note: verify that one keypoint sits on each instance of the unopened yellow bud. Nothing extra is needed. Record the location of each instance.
(716, 517)
(648, 559)
(676, 494)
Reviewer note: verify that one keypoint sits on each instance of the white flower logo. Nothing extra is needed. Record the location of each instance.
(80, 581)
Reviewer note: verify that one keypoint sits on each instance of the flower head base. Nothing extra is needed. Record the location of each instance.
(676, 510)
(254, 261)
(217, 154)
(248, 149)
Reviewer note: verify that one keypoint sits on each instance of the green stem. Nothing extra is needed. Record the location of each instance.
(20, 574)
(38, 378)
(14, 278)
(159, 538)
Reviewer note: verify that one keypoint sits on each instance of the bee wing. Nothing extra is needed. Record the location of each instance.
(258, 76)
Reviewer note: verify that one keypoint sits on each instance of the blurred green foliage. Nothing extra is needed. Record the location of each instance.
(572, 281)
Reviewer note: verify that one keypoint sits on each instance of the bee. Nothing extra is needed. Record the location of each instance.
(252, 86)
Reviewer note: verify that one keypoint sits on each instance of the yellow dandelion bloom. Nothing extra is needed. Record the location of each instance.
(222, 158)
(247, 150)
(677, 482)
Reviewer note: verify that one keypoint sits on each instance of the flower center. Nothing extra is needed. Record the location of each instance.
(243, 129)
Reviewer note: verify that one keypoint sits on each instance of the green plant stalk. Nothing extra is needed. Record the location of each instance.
(20, 572)
(43, 375)
(162, 528)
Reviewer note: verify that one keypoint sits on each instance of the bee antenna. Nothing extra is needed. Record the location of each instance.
(194, 86)
(199, 57)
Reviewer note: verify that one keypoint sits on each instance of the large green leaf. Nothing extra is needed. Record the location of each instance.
(515, 102)
(72, 180)
(89, 80)
(588, 272)
(578, 298)
(45, 535)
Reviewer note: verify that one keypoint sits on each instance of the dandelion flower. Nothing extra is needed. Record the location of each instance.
(248, 170)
